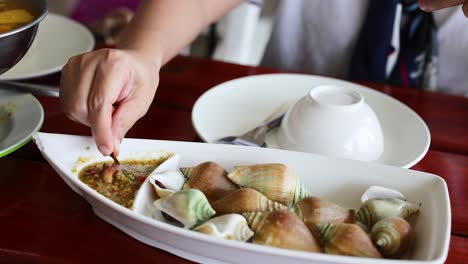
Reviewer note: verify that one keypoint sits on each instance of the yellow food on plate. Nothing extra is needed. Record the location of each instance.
(15, 16)
(5, 28)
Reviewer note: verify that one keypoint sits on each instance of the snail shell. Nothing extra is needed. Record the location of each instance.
(282, 229)
(375, 209)
(165, 178)
(228, 226)
(245, 200)
(347, 239)
(392, 236)
(189, 207)
(210, 178)
(276, 181)
(381, 192)
(313, 211)
(167, 183)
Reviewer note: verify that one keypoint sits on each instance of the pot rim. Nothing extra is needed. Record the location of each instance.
(30, 24)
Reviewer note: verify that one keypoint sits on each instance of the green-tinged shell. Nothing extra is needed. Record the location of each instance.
(255, 219)
(210, 178)
(245, 200)
(301, 191)
(276, 181)
(313, 211)
(347, 240)
(375, 209)
(189, 207)
(186, 171)
(228, 226)
(392, 236)
(282, 229)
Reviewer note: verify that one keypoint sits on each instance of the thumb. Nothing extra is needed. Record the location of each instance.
(125, 116)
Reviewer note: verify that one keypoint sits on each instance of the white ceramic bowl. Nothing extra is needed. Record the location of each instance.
(334, 121)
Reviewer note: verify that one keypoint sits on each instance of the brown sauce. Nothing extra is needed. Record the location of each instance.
(126, 180)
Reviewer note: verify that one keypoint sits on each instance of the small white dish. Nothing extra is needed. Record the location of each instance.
(333, 121)
(236, 106)
(58, 38)
(21, 115)
(338, 180)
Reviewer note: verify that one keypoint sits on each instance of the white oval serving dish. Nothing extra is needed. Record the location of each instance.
(338, 180)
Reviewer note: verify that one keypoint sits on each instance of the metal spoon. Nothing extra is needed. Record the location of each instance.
(254, 137)
(36, 89)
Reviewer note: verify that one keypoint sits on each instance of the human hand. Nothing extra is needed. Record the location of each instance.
(108, 90)
(431, 5)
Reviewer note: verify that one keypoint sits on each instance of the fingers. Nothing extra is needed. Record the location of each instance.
(431, 5)
(91, 84)
(101, 123)
(109, 83)
(108, 90)
(125, 116)
(75, 84)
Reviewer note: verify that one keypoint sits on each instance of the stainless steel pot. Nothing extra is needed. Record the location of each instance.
(15, 43)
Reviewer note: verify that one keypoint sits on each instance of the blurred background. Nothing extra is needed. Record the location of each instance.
(249, 25)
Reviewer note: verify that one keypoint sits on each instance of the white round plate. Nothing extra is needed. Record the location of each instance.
(21, 115)
(58, 38)
(236, 106)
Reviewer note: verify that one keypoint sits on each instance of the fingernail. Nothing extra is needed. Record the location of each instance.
(104, 150)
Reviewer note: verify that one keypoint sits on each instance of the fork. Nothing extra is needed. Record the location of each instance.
(254, 137)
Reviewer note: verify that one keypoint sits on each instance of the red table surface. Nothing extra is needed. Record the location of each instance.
(42, 220)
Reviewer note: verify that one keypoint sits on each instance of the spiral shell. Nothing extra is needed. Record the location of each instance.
(210, 178)
(189, 207)
(381, 192)
(313, 211)
(375, 209)
(228, 226)
(282, 229)
(392, 236)
(245, 200)
(348, 240)
(166, 183)
(276, 181)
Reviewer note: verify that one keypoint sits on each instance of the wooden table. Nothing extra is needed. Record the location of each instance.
(44, 221)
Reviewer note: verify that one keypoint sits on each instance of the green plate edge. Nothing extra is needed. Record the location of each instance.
(26, 140)
(20, 144)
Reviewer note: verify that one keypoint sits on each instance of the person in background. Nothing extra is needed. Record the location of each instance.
(390, 41)
(106, 18)
(110, 89)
